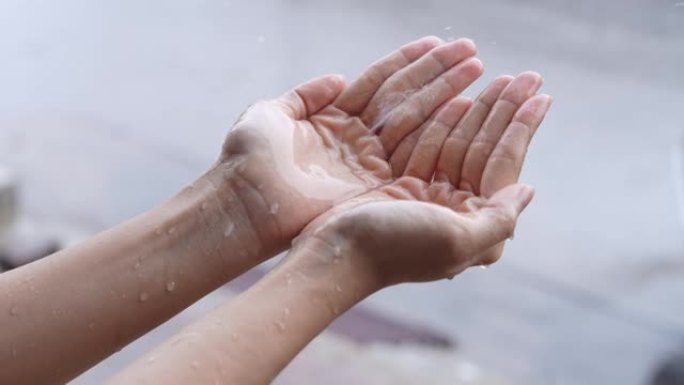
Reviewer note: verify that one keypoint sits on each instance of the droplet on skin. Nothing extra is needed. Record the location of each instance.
(337, 251)
(150, 360)
(13, 310)
(229, 230)
(170, 286)
(484, 267)
(338, 288)
(234, 336)
(143, 296)
(274, 208)
(204, 206)
(195, 364)
(280, 325)
(335, 310)
(158, 231)
(286, 311)
(171, 230)
(137, 265)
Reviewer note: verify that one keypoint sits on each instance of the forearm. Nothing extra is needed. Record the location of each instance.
(71, 310)
(251, 339)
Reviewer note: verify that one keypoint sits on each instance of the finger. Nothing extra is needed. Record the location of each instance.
(491, 255)
(308, 98)
(416, 109)
(504, 165)
(456, 145)
(424, 156)
(355, 98)
(414, 76)
(520, 89)
(400, 157)
(495, 221)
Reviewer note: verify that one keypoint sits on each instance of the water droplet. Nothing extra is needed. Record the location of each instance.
(229, 230)
(335, 310)
(143, 296)
(484, 267)
(274, 208)
(338, 288)
(137, 265)
(171, 230)
(288, 279)
(337, 251)
(512, 237)
(204, 206)
(280, 325)
(13, 310)
(286, 312)
(157, 231)
(150, 360)
(170, 286)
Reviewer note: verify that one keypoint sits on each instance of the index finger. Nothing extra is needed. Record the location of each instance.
(355, 97)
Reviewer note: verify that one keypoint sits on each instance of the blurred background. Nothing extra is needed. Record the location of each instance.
(109, 107)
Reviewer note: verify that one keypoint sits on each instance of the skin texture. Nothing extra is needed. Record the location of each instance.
(428, 224)
(285, 162)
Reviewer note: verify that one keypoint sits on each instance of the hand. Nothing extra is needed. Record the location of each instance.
(293, 157)
(421, 228)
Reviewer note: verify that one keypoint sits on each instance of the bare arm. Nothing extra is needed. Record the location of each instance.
(251, 339)
(67, 312)
(412, 230)
(286, 161)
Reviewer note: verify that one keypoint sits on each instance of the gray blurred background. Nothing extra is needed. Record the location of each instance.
(109, 107)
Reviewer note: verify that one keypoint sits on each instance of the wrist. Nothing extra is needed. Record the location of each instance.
(209, 222)
(330, 257)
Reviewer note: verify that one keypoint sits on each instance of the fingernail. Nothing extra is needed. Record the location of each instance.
(525, 194)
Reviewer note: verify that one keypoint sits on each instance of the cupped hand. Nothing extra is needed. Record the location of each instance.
(293, 157)
(456, 200)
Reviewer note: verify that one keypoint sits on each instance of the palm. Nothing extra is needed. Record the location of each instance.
(453, 203)
(322, 143)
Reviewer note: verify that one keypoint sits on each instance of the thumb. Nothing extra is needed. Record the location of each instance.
(496, 220)
(515, 198)
(308, 98)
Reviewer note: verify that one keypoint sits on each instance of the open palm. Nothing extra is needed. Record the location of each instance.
(456, 200)
(322, 142)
